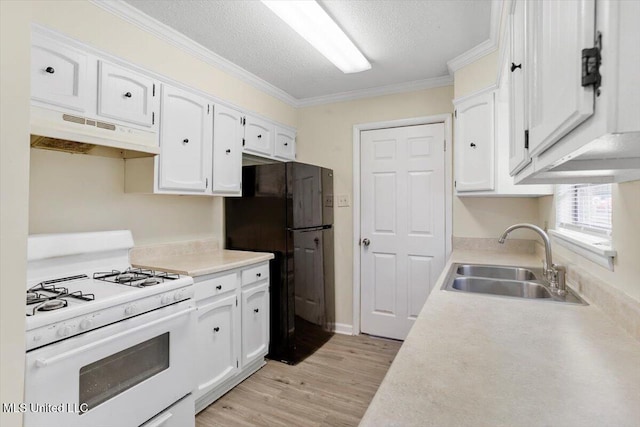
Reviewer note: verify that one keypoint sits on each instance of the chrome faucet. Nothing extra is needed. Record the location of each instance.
(555, 274)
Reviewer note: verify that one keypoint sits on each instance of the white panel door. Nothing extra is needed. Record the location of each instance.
(126, 95)
(557, 33)
(58, 74)
(258, 136)
(255, 322)
(185, 141)
(403, 219)
(474, 143)
(518, 154)
(218, 343)
(227, 150)
(309, 276)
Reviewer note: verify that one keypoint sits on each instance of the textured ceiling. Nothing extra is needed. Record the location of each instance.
(405, 40)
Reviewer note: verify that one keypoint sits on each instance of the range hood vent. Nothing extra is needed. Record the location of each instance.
(54, 130)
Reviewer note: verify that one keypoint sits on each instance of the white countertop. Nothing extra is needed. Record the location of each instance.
(203, 263)
(481, 360)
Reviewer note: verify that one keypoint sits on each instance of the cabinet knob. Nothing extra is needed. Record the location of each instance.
(216, 329)
(186, 140)
(286, 143)
(259, 136)
(50, 70)
(228, 151)
(472, 145)
(219, 287)
(256, 310)
(258, 274)
(514, 66)
(127, 95)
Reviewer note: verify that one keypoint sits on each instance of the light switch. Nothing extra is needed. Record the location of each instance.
(343, 200)
(328, 201)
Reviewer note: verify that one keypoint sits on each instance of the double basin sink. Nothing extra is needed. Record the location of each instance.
(504, 281)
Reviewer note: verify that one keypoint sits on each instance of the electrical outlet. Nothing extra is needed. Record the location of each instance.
(328, 201)
(343, 200)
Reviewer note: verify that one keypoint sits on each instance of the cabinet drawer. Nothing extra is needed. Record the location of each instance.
(216, 286)
(255, 274)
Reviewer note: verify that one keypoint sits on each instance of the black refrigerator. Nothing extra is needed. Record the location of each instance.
(287, 209)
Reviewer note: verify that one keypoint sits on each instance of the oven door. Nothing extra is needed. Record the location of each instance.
(119, 375)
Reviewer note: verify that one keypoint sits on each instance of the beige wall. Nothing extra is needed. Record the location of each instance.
(14, 194)
(626, 239)
(477, 75)
(325, 137)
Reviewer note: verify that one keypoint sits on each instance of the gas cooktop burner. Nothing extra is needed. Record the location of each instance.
(136, 277)
(32, 296)
(52, 304)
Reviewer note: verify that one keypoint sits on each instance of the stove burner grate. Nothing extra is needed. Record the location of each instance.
(136, 277)
(47, 297)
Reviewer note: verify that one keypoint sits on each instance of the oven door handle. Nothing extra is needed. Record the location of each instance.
(42, 362)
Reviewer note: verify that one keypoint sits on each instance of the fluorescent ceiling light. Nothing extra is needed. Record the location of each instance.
(309, 20)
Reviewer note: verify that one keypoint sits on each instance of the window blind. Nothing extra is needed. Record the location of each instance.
(585, 208)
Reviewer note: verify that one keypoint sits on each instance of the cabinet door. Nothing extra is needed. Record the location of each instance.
(218, 346)
(518, 154)
(58, 74)
(255, 323)
(474, 143)
(285, 144)
(557, 33)
(126, 95)
(227, 150)
(258, 136)
(185, 141)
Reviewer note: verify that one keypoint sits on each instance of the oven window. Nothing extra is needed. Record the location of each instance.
(108, 377)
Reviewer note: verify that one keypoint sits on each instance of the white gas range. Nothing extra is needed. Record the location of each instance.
(107, 345)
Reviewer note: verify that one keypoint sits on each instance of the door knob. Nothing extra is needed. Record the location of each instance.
(366, 241)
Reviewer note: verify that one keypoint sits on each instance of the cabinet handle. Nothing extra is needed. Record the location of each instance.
(127, 95)
(50, 70)
(186, 140)
(258, 274)
(255, 310)
(472, 145)
(219, 287)
(259, 136)
(514, 66)
(216, 329)
(228, 151)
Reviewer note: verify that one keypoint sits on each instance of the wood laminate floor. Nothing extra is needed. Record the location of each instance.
(331, 387)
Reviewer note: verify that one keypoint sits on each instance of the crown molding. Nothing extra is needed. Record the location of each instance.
(164, 32)
(377, 91)
(484, 48)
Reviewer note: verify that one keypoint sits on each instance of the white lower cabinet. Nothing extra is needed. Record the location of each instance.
(255, 322)
(232, 329)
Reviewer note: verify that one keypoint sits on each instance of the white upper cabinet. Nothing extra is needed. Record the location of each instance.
(185, 141)
(126, 96)
(59, 74)
(285, 144)
(518, 152)
(474, 142)
(258, 135)
(227, 150)
(557, 33)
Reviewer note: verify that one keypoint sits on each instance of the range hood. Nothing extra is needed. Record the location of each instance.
(54, 130)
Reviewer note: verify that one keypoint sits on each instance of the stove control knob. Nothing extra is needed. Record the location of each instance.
(64, 331)
(178, 296)
(86, 324)
(129, 310)
(166, 299)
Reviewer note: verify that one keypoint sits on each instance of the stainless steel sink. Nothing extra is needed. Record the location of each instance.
(509, 288)
(504, 281)
(496, 272)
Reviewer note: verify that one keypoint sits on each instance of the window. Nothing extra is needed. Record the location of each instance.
(583, 221)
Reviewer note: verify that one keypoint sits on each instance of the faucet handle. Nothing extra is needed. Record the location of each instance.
(559, 273)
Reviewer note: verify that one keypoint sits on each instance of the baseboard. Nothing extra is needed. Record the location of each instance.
(341, 328)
